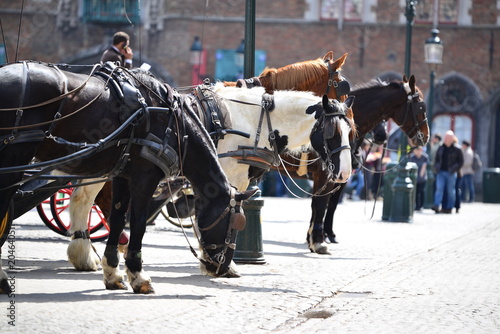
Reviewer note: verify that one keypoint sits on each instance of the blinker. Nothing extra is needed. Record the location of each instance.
(239, 221)
(343, 88)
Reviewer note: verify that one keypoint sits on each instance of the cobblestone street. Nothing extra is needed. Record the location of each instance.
(437, 274)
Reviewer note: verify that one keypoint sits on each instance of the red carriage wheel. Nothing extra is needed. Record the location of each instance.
(97, 224)
(45, 214)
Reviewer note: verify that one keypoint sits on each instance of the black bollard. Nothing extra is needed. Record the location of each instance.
(249, 248)
(429, 187)
(402, 189)
(389, 176)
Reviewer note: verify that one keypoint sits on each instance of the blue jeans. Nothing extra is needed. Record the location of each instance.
(468, 187)
(361, 183)
(445, 179)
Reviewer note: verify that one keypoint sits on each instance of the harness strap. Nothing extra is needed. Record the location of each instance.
(81, 235)
(212, 112)
(266, 107)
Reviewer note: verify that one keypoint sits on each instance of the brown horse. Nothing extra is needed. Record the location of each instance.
(316, 76)
(401, 101)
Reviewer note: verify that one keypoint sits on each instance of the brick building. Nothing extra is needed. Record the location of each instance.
(373, 32)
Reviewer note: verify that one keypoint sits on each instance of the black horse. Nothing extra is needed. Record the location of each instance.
(125, 125)
(401, 101)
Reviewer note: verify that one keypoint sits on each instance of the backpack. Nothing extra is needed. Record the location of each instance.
(476, 162)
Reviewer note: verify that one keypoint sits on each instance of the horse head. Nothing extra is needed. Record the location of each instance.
(219, 215)
(218, 238)
(332, 134)
(321, 76)
(337, 86)
(414, 121)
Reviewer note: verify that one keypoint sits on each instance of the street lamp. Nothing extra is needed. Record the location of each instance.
(196, 60)
(239, 58)
(433, 58)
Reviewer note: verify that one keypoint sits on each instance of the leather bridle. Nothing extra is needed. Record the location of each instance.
(415, 107)
(237, 223)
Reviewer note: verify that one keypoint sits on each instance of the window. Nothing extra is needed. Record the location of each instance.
(447, 11)
(111, 11)
(351, 10)
(460, 124)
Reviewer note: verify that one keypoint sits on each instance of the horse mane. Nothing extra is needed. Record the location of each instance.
(370, 87)
(370, 84)
(297, 76)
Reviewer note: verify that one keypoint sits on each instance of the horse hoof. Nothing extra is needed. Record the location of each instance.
(118, 285)
(5, 287)
(320, 248)
(144, 288)
(232, 272)
(331, 238)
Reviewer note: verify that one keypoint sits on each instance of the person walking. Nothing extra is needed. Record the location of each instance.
(468, 171)
(448, 161)
(435, 143)
(421, 159)
(120, 51)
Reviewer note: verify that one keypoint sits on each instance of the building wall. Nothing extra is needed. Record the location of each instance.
(288, 30)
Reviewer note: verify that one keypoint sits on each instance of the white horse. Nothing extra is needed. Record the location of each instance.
(244, 105)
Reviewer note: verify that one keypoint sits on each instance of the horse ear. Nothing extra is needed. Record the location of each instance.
(349, 101)
(328, 56)
(325, 101)
(339, 62)
(405, 79)
(317, 108)
(412, 83)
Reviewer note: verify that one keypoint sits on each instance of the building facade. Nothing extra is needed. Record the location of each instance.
(373, 33)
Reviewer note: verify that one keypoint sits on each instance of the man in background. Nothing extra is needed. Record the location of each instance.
(448, 161)
(120, 51)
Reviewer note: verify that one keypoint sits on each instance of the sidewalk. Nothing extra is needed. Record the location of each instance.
(437, 274)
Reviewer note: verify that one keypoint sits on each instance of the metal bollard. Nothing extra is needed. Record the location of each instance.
(429, 187)
(389, 176)
(249, 248)
(413, 177)
(402, 188)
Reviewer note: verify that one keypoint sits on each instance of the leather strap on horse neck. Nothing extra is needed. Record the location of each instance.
(267, 107)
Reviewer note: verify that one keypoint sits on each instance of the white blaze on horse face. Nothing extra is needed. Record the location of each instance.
(407, 88)
(345, 168)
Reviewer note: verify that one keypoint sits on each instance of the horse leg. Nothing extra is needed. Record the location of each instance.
(315, 235)
(332, 206)
(80, 251)
(4, 284)
(142, 193)
(113, 278)
(103, 201)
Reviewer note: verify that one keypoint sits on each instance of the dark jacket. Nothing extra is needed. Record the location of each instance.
(112, 55)
(455, 159)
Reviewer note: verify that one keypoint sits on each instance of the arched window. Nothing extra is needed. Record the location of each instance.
(460, 124)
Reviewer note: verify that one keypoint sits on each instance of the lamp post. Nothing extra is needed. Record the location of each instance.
(433, 58)
(197, 60)
(239, 59)
(249, 247)
(399, 208)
